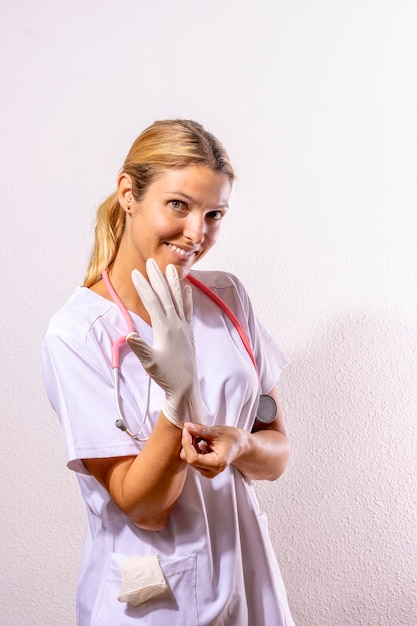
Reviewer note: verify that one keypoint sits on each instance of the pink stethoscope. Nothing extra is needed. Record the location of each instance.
(267, 407)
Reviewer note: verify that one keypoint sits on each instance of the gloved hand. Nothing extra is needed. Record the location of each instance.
(171, 360)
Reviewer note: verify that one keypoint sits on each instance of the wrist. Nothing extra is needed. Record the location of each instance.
(172, 414)
(242, 444)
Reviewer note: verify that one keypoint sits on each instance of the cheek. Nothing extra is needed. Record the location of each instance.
(209, 240)
(211, 237)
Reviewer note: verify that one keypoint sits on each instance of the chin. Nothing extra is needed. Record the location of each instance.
(182, 271)
(183, 267)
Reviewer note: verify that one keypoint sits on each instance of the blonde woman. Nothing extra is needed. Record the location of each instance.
(166, 434)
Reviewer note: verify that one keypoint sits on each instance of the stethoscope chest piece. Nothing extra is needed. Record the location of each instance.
(267, 409)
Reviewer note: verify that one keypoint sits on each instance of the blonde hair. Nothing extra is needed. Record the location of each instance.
(166, 144)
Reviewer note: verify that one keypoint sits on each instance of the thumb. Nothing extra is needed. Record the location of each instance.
(143, 351)
(196, 429)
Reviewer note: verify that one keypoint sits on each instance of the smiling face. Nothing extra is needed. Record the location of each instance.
(178, 219)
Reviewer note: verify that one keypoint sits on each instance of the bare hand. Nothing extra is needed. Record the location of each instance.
(210, 449)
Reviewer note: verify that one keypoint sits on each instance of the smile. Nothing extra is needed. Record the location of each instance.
(181, 251)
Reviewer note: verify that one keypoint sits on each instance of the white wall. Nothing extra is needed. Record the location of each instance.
(316, 103)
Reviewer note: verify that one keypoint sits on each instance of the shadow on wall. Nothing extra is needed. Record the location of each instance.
(346, 534)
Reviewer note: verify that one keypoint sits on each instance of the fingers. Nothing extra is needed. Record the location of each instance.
(148, 296)
(154, 294)
(162, 292)
(175, 289)
(199, 430)
(200, 455)
(187, 299)
(159, 283)
(188, 452)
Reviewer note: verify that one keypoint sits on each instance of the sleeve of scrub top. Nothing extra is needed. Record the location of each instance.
(79, 384)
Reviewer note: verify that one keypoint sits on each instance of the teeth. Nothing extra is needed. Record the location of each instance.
(180, 250)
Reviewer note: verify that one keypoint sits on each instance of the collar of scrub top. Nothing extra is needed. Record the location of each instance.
(267, 408)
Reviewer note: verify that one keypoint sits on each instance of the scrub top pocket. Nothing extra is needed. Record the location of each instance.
(177, 606)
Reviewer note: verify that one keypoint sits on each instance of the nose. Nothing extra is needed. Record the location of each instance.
(194, 229)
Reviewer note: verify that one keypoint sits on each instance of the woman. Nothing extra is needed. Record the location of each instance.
(175, 532)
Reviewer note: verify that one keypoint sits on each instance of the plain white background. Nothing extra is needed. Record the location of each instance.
(316, 103)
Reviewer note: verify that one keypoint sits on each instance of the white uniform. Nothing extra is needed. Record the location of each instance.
(215, 552)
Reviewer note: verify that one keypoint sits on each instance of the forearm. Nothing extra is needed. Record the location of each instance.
(146, 487)
(262, 455)
(156, 478)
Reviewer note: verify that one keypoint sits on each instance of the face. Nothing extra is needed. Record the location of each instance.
(177, 221)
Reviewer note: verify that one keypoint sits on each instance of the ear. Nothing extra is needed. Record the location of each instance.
(125, 192)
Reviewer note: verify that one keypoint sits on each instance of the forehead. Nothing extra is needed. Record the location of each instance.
(198, 182)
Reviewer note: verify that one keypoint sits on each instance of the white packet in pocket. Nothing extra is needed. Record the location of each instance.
(142, 579)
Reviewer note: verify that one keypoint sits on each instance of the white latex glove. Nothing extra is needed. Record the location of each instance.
(171, 360)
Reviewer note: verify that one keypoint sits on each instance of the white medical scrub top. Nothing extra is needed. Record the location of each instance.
(216, 553)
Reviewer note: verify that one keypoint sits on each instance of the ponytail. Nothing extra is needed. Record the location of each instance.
(108, 233)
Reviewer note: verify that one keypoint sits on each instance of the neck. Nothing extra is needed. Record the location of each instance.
(121, 281)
